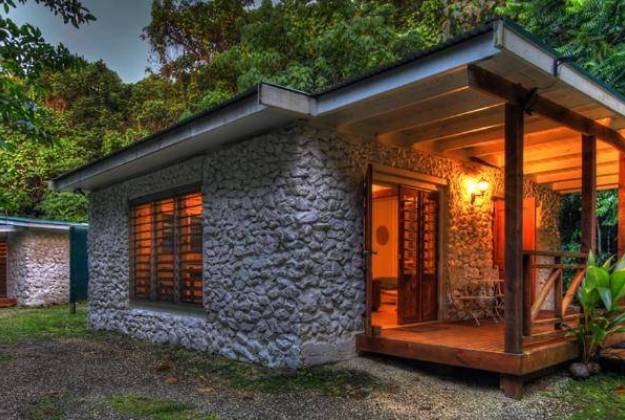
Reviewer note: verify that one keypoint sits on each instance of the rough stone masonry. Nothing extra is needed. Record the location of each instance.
(38, 267)
(282, 244)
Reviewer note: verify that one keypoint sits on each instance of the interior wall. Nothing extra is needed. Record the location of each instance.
(384, 235)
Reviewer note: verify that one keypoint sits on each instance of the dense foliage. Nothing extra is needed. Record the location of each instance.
(203, 52)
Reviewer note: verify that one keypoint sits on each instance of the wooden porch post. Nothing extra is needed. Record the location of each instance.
(589, 193)
(621, 205)
(513, 273)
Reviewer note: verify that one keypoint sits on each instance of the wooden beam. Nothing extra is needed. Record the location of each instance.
(442, 82)
(621, 205)
(610, 168)
(515, 93)
(461, 141)
(455, 125)
(457, 101)
(589, 193)
(578, 190)
(513, 193)
(531, 139)
(565, 162)
(603, 183)
(533, 124)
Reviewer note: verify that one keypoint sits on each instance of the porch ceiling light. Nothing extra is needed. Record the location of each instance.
(478, 189)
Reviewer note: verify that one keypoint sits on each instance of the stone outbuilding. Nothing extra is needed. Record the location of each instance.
(35, 261)
(412, 212)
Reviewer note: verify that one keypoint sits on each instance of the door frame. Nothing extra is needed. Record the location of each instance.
(388, 174)
(6, 266)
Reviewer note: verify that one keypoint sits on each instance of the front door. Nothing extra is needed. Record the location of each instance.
(418, 256)
(3, 268)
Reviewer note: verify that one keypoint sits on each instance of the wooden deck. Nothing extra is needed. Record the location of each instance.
(467, 345)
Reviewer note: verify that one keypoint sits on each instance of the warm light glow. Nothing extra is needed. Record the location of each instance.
(477, 189)
(471, 187)
(483, 185)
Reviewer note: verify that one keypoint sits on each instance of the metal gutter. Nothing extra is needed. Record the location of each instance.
(14, 223)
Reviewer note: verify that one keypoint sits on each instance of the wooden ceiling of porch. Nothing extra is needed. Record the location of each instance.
(446, 115)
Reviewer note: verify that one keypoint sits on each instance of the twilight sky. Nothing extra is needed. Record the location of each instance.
(113, 37)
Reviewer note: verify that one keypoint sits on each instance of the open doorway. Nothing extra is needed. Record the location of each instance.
(404, 262)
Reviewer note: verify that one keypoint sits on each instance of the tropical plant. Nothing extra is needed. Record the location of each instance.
(599, 296)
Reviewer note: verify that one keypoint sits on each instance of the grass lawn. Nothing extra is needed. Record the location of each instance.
(54, 322)
(155, 408)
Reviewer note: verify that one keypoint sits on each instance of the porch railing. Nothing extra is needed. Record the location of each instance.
(539, 324)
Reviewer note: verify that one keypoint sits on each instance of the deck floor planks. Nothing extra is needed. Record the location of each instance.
(468, 345)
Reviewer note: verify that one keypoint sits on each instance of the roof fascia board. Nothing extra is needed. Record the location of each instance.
(286, 99)
(15, 226)
(524, 46)
(470, 51)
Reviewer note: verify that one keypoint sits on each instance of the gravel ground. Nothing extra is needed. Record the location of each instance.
(79, 374)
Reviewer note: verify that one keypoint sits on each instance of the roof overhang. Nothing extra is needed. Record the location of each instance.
(9, 224)
(252, 113)
(426, 102)
(4, 229)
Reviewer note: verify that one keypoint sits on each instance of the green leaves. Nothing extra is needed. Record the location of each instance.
(24, 55)
(603, 287)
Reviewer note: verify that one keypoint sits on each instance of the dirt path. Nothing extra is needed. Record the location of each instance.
(101, 376)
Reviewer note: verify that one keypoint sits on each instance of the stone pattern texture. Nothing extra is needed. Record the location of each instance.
(38, 267)
(283, 266)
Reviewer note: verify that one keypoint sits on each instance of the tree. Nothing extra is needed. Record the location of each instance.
(591, 32)
(23, 55)
(218, 48)
(93, 100)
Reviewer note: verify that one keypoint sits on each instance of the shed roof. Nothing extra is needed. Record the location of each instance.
(11, 222)
(425, 101)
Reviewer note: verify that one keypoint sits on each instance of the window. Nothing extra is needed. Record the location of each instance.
(166, 246)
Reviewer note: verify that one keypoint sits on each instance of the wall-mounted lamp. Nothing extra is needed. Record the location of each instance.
(478, 189)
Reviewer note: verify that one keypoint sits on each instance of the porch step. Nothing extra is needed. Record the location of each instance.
(543, 336)
(7, 302)
(551, 320)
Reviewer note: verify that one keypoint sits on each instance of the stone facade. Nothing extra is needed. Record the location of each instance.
(38, 267)
(283, 266)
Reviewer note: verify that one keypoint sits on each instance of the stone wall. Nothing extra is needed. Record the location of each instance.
(38, 267)
(283, 268)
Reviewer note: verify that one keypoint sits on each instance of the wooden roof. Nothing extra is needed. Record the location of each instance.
(445, 115)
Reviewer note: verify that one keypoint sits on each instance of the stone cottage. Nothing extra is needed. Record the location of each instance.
(289, 228)
(34, 261)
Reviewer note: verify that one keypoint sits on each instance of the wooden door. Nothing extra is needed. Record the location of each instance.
(529, 232)
(418, 245)
(3, 268)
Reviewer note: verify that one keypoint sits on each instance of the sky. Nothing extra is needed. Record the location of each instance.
(114, 37)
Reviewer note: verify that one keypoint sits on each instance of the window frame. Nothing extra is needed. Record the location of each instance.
(170, 193)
